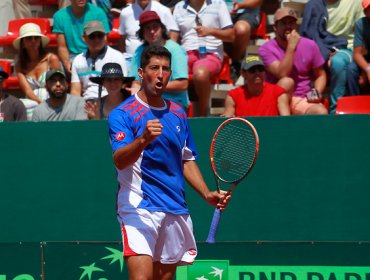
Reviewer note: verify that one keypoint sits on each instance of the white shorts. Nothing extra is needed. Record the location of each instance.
(166, 237)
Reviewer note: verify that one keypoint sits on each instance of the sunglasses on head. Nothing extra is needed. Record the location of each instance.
(256, 69)
(94, 35)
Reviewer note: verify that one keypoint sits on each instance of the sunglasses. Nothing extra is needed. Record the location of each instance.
(98, 35)
(30, 38)
(256, 69)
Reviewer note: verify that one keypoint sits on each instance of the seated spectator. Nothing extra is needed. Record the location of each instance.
(11, 108)
(153, 31)
(90, 62)
(32, 64)
(113, 80)
(129, 23)
(294, 62)
(60, 106)
(69, 23)
(245, 15)
(331, 23)
(201, 21)
(359, 68)
(256, 97)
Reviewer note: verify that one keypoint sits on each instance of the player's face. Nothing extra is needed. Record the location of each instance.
(113, 85)
(255, 75)
(57, 86)
(155, 75)
(152, 32)
(285, 26)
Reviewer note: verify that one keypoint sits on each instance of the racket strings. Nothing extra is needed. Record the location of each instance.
(234, 151)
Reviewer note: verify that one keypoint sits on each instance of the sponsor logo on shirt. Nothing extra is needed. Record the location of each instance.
(120, 136)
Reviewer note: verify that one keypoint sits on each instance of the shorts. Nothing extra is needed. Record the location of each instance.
(166, 237)
(299, 105)
(252, 19)
(211, 61)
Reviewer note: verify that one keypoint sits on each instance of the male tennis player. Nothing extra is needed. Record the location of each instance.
(153, 151)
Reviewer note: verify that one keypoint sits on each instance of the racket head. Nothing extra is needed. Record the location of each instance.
(234, 150)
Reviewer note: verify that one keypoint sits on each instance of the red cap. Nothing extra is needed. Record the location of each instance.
(148, 16)
(365, 4)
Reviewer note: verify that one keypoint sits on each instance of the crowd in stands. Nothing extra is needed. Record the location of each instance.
(85, 78)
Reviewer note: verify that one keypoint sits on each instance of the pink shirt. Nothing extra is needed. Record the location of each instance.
(307, 57)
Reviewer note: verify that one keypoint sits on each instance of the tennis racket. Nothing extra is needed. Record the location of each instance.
(233, 152)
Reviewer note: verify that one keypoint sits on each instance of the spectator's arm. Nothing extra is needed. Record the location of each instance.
(225, 35)
(319, 79)
(122, 43)
(248, 4)
(229, 107)
(283, 104)
(175, 36)
(63, 53)
(359, 58)
(177, 85)
(54, 62)
(76, 89)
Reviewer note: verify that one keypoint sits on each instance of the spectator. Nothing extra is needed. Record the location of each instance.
(359, 69)
(336, 17)
(256, 97)
(11, 108)
(129, 22)
(245, 15)
(32, 64)
(113, 79)
(201, 21)
(60, 106)
(90, 62)
(69, 23)
(292, 62)
(153, 31)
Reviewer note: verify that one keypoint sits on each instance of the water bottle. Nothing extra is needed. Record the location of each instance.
(202, 47)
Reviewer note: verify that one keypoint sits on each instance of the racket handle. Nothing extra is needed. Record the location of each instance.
(214, 226)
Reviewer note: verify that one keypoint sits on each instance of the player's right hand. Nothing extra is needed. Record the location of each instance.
(152, 130)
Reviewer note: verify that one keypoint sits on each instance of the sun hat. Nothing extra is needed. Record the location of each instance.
(251, 61)
(284, 12)
(53, 72)
(27, 30)
(148, 16)
(94, 26)
(365, 4)
(3, 74)
(111, 70)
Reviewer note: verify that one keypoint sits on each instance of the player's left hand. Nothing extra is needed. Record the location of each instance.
(219, 199)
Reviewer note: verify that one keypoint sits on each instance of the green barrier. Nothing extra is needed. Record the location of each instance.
(310, 182)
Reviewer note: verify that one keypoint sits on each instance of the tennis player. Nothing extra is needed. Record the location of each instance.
(153, 151)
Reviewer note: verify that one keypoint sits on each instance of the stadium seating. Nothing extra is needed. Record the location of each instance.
(359, 104)
(11, 83)
(261, 31)
(114, 36)
(15, 24)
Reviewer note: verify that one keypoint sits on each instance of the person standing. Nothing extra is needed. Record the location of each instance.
(153, 152)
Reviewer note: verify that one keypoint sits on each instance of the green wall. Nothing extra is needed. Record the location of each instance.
(310, 183)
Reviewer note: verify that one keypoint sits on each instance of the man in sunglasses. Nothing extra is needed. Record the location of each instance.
(256, 97)
(90, 63)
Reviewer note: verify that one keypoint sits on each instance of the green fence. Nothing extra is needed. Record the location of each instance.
(304, 203)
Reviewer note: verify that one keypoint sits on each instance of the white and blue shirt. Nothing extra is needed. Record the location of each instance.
(155, 182)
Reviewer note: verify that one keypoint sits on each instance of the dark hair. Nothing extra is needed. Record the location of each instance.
(153, 50)
(24, 58)
(140, 32)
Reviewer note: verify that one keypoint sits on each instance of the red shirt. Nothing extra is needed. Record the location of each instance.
(264, 104)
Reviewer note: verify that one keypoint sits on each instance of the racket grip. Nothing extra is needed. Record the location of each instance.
(214, 226)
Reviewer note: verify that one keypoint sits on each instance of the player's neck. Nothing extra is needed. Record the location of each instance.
(152, 100)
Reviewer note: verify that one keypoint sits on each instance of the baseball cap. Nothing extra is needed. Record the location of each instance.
(53, 72)
(251, 61)
(148, 16)
(94, 26)
(284, 12)
(365, 4)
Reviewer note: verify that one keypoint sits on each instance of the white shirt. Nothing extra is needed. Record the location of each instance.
(213, 14)
(129, 22)
(84, 67)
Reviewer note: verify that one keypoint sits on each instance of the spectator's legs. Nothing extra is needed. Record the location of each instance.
(22, 9)
(202, 86)
(353, 75)
(338, 76)
(288, 84)
(242, 31)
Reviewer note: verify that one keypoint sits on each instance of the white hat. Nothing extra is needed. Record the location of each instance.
(27, 30)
